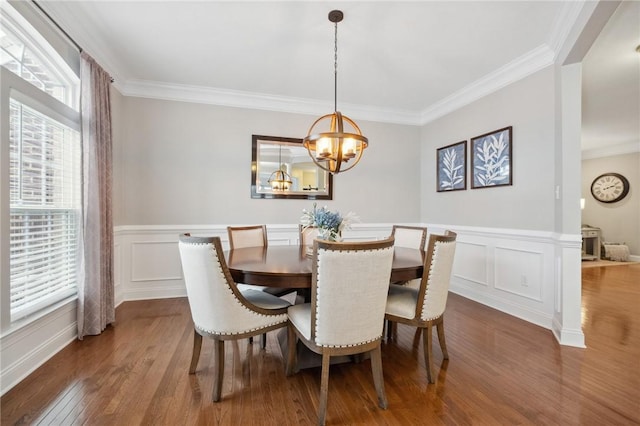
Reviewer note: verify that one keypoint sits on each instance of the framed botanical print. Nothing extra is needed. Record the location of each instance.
(492, 159)
(451, 167)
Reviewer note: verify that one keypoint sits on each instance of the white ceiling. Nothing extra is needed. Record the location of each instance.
(405, 62)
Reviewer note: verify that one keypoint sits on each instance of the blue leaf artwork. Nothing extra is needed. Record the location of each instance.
(491, 159)
(452, 167)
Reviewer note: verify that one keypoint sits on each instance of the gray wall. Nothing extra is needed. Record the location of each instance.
(620, 222)
(528, 106)
(178, 163)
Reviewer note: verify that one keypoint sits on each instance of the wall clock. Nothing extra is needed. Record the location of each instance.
(610, 187)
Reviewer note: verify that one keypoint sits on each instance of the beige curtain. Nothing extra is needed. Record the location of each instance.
(96, 287)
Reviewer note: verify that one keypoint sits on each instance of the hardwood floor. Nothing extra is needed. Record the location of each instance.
(501, 371)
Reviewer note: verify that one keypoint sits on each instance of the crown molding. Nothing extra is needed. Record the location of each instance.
(564, 22)
(610, 151)
(527, 64)
(261, 101)
(521, 67)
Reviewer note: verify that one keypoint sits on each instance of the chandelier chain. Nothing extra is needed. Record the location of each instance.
(335, 69)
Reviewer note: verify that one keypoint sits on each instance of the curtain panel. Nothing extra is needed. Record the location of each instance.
(96, 307)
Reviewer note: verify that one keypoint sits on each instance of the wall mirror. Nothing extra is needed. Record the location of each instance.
(304, 180)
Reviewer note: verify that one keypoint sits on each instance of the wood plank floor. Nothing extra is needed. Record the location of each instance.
(501, 371)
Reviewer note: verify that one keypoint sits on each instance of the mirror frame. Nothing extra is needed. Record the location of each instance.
(255, 141)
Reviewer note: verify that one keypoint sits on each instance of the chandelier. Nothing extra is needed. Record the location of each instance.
(338, 148)
(280, 180)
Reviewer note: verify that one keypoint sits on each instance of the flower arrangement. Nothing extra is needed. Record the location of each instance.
(330, 224)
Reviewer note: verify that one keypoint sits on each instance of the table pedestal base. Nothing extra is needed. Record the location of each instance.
(309, 359)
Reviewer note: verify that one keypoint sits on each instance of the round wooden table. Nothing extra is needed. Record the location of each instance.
(290, 267)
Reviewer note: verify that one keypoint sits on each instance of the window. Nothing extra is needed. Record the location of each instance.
(44, 162)
(40, 67)
(45, 209)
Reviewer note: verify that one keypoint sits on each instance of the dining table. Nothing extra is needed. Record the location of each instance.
(290, 266)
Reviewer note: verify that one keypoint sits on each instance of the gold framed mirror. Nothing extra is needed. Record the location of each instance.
(281, 168)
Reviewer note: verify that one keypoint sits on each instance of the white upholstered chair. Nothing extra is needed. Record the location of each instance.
(349, 289)
(218, 309)
(424, 307)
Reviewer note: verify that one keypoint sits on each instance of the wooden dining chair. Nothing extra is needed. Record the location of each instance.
(255, 236)
(413, 237)
(346, 314)
(247, 236)
(306, 235)
(219, 309)
(424, 307)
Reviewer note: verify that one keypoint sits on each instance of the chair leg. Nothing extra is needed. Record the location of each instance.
(291, 350)
(427, 339)
(378, 377)
(195, 356)
(218, 368)
(263, 342)
(392, 329)
(324, 389)
(443, 343)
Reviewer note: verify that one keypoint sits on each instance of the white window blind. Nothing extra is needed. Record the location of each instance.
(45, 204)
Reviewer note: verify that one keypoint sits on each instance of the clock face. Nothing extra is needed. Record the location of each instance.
(610, 187)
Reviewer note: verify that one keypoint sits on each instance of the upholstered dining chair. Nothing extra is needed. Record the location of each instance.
(413, 237)
(424, 307)
(255, 236)
(218, 309)
(349, 289)
(248, 236)
(307, 235)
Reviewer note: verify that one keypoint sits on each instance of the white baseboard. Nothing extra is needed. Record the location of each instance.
(29, 347)
(568, 337)
(533, 316)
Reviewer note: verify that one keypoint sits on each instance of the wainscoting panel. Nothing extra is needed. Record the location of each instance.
(509, 270)
(155, 261)
(519, 272)
(470, 263)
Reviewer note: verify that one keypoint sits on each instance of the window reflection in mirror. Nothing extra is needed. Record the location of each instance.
(270, 154)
